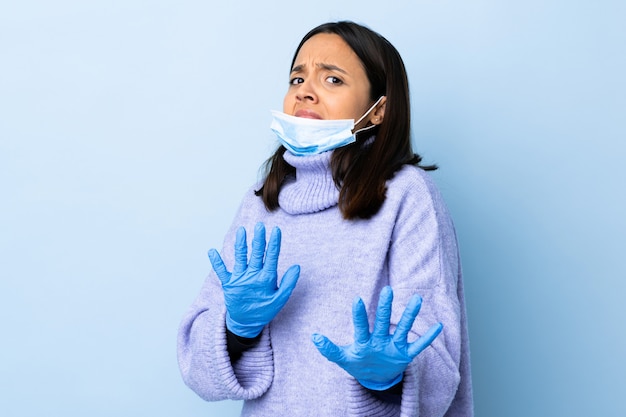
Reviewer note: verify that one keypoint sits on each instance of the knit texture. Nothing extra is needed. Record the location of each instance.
(409, 244)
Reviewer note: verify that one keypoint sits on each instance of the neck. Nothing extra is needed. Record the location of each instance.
(313, 188)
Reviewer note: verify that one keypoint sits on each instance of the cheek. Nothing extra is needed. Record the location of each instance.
(287, 103)
(350, 105)
(349, 109)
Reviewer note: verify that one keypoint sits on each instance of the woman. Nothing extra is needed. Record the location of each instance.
(360, 218)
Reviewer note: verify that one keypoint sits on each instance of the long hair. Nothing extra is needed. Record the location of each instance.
(361, 171)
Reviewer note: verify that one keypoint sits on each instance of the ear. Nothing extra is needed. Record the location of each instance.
(378, 114)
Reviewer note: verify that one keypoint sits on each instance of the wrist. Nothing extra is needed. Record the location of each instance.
(248, 331)
(380, 386)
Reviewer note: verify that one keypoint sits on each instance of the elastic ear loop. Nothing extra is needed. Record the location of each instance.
(367, 112)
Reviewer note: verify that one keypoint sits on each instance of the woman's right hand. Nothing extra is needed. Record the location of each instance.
(251, 293)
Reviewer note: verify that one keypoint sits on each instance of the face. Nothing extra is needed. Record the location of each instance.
(327, 81)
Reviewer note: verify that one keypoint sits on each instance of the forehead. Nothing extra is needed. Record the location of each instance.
(328, 48)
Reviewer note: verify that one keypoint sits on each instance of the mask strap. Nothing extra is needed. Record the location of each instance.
(368, 112)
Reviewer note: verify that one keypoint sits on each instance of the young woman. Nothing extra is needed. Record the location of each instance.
(355, 222)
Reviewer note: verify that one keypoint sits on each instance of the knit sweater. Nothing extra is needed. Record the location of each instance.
(410, 244)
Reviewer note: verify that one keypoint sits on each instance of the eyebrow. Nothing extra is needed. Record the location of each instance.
(328, 67)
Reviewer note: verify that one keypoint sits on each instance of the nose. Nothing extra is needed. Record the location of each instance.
(306, 92)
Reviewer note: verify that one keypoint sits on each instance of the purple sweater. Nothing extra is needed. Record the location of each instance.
(409, 244)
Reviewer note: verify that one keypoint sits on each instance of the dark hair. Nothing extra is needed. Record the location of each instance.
(361, 172)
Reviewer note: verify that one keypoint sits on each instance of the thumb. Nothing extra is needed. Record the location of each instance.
(328, 349)
(218, 266)
(423, 342)
(290, 278)
(288, 283)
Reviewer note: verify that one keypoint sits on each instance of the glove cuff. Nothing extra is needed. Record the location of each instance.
(380, 386)
(249, 331)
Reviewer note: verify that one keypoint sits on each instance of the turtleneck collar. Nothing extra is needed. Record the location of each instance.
(313, 188)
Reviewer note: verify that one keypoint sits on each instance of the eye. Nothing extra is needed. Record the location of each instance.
(296, 80)
(334, 80)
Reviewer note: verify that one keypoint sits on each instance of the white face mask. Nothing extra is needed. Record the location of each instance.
(303, 136)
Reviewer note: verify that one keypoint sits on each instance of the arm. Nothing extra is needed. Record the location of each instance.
(205, 363)
(246, 302)
(422, 258)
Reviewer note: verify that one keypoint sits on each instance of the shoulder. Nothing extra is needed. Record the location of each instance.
(251, 205)
(423, 229)
(413, 184)
(413, 194)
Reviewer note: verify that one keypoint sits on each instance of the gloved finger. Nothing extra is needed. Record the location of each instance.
(273, 250)
(258, 247)
(406, 321)
(383, 313)
(287, 284)
(241, 251)
(218, 266)
(328, 349)
(361, 323)
(423, 342)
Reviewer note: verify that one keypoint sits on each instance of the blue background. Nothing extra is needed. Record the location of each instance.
(130, 129)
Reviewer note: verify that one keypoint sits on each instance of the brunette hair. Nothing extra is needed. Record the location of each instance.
(361, 171)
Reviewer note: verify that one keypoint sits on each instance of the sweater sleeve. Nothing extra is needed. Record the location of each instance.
(423, 259)
(203, 357)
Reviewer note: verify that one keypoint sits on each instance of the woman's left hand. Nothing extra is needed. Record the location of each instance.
(378, 360)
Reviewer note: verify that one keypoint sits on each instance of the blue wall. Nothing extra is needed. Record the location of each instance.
(130, 129)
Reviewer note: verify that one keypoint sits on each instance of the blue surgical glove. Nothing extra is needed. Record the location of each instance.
(251, 294)
(378, 360)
